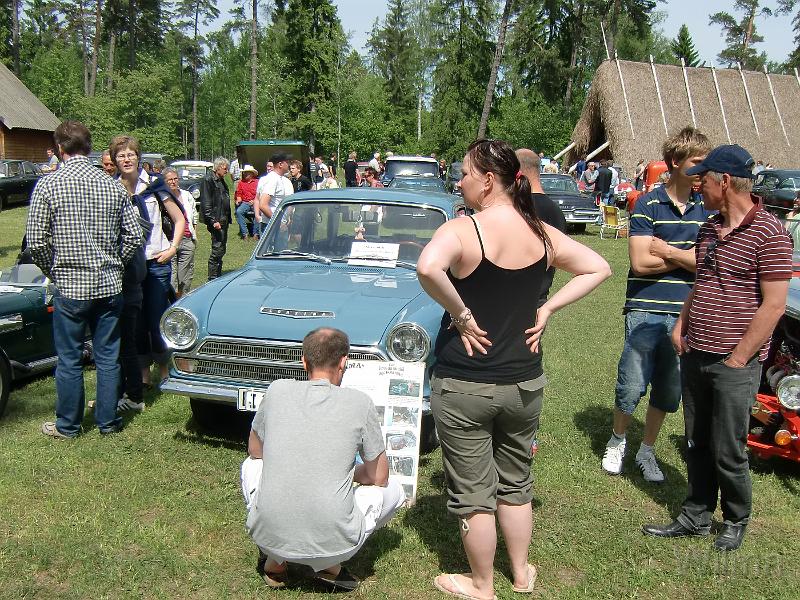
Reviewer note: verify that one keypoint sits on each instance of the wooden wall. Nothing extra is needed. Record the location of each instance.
(25, 144)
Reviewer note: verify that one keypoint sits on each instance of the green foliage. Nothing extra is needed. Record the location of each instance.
(532, 122)
(683, 47)
(741, 35)
(55, 75)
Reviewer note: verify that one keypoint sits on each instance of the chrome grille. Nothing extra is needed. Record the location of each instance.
(245, 360)
(292, 353)
(248, 372)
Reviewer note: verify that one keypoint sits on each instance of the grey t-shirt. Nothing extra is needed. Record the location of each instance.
(311, 432)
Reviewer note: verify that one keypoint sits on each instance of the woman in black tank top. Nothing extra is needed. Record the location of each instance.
(486, 389)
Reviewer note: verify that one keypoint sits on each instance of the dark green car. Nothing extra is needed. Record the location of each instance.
(17, 180)
(26, 326)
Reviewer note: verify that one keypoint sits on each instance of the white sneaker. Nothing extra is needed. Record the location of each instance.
(126, 404)
(612, 459)
(647, 463)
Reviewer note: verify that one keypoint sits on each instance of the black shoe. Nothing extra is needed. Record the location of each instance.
(674, 529)
(343, 581)
(730, 538)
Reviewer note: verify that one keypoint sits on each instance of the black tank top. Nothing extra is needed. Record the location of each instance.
(503, 302)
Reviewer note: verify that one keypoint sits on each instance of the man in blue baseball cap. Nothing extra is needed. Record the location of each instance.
(744, 264)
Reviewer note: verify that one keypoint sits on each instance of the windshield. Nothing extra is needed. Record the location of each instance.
(433, 184)
(190, 172)
(559, 184)
(3, 170)
(410, 167)
(348, 231)
(23, 275)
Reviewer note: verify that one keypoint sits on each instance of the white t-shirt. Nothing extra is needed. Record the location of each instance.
(190, 210)
(157, 242)
(375, 164)
(276, 186)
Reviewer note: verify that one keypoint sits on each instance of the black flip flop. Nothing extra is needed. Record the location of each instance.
(343, 581)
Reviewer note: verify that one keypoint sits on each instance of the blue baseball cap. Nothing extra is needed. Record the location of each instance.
(731, 159)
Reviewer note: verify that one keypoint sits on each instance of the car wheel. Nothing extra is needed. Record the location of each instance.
(3, 202)
(5, 384)
(577, 228)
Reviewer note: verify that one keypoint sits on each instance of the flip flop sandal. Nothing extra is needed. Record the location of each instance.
(459, 591)
(531, 581)
(275, 580)
(344, 580)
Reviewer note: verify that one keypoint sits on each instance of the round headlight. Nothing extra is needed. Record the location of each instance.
(179, 328)
(788, 392)
(408, 342)
(196, 193)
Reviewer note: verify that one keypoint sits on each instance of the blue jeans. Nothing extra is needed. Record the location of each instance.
(648, 358)
(158, 294)
(241, 218)
(70, 319)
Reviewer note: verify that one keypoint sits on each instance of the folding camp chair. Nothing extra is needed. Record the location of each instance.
(613, 220)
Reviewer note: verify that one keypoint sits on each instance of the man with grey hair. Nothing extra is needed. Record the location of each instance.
(215, 206)
(297, 480)
(744, 265)
(546, 209)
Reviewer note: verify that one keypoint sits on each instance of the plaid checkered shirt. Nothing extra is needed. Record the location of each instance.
(82, 230)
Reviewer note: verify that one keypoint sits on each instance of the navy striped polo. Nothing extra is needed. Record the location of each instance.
(655, 215)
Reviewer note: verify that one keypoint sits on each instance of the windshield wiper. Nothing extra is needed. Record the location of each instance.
(399, 263)
(298, 254)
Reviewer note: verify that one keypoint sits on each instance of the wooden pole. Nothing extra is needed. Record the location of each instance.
(625, 96)
(688, 92)
(564, 151)
(719, 99)
(749, 102)
(658, 93)
(775, 103)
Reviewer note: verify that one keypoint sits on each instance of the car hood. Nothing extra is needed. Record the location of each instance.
(567, 199)
(363, 300)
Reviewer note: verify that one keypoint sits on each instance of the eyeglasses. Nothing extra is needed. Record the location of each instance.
(710, 258)
(127, 155)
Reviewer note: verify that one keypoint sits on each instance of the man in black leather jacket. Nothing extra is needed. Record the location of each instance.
(215, 206)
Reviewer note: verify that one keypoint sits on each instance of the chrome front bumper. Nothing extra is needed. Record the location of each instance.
(220, 393)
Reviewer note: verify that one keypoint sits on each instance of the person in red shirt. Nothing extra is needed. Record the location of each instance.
(245, 196)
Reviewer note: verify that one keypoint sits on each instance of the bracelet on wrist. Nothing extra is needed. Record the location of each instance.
(461, 320)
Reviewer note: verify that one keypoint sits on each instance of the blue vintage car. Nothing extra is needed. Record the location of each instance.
(343, 258)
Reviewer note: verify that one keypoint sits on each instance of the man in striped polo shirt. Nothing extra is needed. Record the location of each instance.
(744, 264)
(663, 228)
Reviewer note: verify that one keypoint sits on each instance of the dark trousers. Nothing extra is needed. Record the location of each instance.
(219, 242)
(131, 379)
(70, 319)
(716, 407)
(158, 295)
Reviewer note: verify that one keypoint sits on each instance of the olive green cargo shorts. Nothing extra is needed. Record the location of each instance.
(486, 432)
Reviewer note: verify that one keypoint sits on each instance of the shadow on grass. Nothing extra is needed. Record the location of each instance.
(786, 471)
(438, 530)
(229, 428)
(595, 422)
(6, 250)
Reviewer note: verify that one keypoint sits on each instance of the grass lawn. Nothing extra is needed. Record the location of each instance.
(156, 511)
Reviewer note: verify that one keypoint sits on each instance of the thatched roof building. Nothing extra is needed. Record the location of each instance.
(26, 124)
(769, 128)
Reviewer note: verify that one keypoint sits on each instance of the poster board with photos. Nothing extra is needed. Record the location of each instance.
(396, 389)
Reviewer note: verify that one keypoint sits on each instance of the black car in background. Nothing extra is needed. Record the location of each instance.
(579, 209)
(453, 177)
(17, 180)
(778, 189)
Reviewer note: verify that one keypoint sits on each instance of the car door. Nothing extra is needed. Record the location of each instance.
(30, 176)
(14, 182)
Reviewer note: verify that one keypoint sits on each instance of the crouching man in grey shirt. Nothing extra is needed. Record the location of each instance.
(298, 478)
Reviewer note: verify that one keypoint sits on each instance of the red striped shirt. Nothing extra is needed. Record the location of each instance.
(727, 289)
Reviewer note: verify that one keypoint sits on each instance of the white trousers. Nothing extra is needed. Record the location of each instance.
(377, 504)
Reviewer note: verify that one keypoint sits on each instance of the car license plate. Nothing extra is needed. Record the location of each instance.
(250, 399)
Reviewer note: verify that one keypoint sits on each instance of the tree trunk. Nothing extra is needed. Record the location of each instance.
(98, 29)
(748, 32)
(614, 25)
(254, 71)
(15, 35)
(498, 56)
(577, 37)
(81, 23)
(195, 138)
(112, 43)
(132, 34)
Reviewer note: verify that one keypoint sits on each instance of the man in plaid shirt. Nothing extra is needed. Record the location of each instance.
(81, 231)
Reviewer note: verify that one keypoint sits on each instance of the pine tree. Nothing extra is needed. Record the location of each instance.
(741, 35)
(683, 47)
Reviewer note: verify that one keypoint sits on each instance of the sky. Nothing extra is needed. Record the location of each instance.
(357, 17)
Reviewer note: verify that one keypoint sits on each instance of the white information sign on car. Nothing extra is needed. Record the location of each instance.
(396, 390)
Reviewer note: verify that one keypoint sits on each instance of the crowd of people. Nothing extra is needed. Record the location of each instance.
(707, 284)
